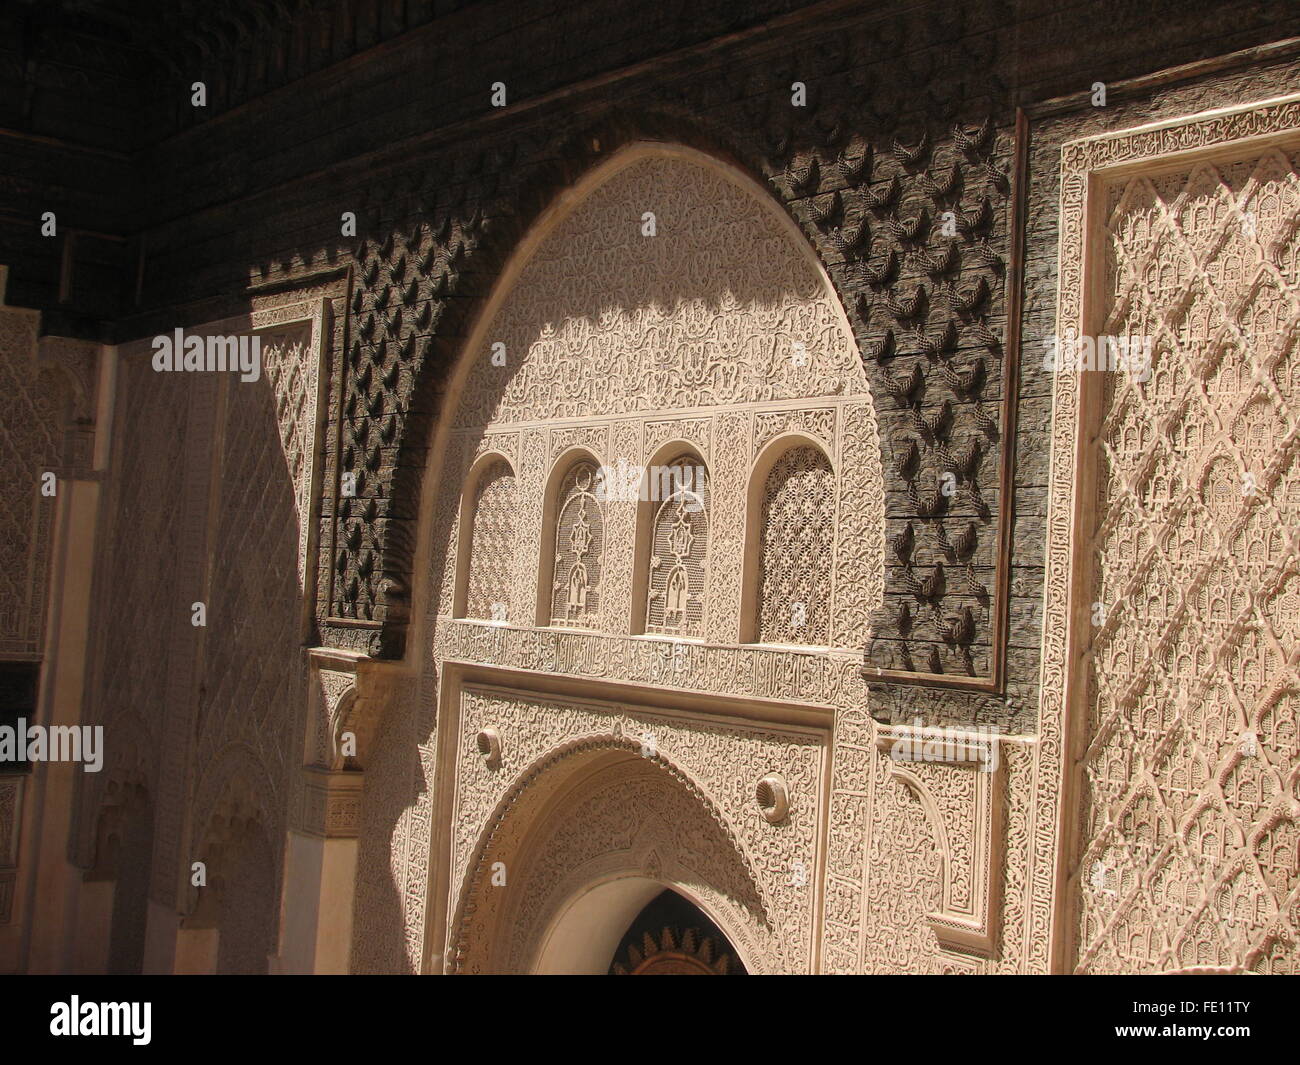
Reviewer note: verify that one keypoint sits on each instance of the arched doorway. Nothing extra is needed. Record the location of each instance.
(589, 841)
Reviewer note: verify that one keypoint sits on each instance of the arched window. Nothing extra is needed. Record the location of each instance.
(678, 495)
(491, 544)
(797, 545)
(579, 549)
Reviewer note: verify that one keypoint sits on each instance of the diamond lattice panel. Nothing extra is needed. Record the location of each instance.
(798, 544)
(491, 544)
(1191, 848)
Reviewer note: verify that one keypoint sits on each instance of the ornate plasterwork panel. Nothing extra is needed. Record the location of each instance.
(578, 544)
(1184, 556)
(679, 546)
(716, 309)
(491, 544)
(959, 780)
(763, 872)
(211, 711)
(255, 681)
(719, 317)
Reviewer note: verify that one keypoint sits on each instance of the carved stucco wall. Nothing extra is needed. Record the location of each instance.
(217, 475)
(1188, 850)
(709, 837)
(612, 338)
(49, 385)
(725, 342)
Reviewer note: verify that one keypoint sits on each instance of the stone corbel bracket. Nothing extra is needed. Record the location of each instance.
(348, 694)
(959, 777)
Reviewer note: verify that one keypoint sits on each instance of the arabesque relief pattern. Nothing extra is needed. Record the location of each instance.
(723, 760)
(679, 549)
(254, 686)
(579, 547)
(1192, 852)
(763, 337)
(204, 712)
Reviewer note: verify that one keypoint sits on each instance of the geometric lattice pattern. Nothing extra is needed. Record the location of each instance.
(579, 548)
(798, 545)
(492, 544)
(1191, 852)
(680, 546)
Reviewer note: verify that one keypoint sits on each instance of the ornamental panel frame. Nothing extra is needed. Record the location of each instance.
(1088, 164)
(493, 756)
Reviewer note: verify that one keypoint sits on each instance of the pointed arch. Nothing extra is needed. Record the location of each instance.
(788, 340)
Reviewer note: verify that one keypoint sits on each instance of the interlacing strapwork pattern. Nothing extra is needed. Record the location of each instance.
(579, 549)
(679, 548)
(1191, 852)
(491, 544)
(798, 533)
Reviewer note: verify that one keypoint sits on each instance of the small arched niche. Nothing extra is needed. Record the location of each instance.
(487, 540)
(790, 536)
(670, 576)
(570, 569)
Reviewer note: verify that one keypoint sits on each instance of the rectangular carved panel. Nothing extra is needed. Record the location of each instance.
(1186, 569)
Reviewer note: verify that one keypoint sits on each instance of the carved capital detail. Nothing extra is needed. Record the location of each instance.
(348, 696)
(330, 804)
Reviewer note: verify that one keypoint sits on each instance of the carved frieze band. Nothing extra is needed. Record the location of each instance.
(817, 677)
